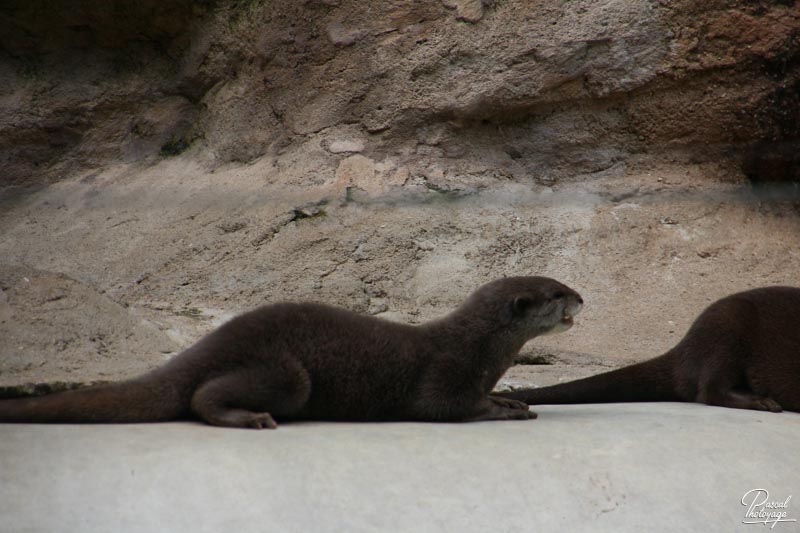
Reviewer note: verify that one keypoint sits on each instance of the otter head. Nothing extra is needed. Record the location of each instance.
(536, 305)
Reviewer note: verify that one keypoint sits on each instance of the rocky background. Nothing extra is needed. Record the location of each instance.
(167, 164)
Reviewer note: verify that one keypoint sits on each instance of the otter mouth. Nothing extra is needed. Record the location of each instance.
(568, 319)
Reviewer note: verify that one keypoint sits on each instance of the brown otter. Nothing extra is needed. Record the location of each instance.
(743, 352)
(313, 361)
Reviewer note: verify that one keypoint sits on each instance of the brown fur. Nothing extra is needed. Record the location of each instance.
(743, 352)
(312, 361)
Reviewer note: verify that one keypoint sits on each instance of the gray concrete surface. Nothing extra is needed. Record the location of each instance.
(639, 467)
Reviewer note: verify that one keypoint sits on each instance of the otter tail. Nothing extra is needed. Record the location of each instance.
(648, 381)
(145, 399)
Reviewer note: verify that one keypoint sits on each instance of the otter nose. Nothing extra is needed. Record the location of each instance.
(580, 300)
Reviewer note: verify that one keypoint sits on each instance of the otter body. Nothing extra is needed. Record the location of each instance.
(743, 352)
(312, 361)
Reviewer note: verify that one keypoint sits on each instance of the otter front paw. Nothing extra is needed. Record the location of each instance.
(508, 402)
(517, 414)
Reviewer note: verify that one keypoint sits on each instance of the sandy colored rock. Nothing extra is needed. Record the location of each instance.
(339, 147)
(358, 171)
(467, 10)
(44, 315)
(399, 177)
(340, 35)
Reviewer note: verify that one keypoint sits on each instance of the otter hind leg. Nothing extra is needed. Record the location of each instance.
(250, 399)
(740, 399)
(726, 385)
(724, 378)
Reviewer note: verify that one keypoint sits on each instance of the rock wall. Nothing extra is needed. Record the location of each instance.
(166, 164)
(462, 93)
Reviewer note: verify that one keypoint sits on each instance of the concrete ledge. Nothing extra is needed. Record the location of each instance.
(623, 467)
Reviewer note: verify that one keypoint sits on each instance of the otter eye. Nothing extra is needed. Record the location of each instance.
(558, 296)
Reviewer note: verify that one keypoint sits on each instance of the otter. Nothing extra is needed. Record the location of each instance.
(742, 352)
(295, 361)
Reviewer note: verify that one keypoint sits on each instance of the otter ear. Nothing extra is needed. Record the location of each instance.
(516, 308)
(520, 305)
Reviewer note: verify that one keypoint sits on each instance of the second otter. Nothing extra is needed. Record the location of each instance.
(743, 351)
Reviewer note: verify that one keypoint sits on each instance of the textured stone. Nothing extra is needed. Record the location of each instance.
(339, 147)
(468, 10)
(358, 171)
(340, 35)
(718, 76)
